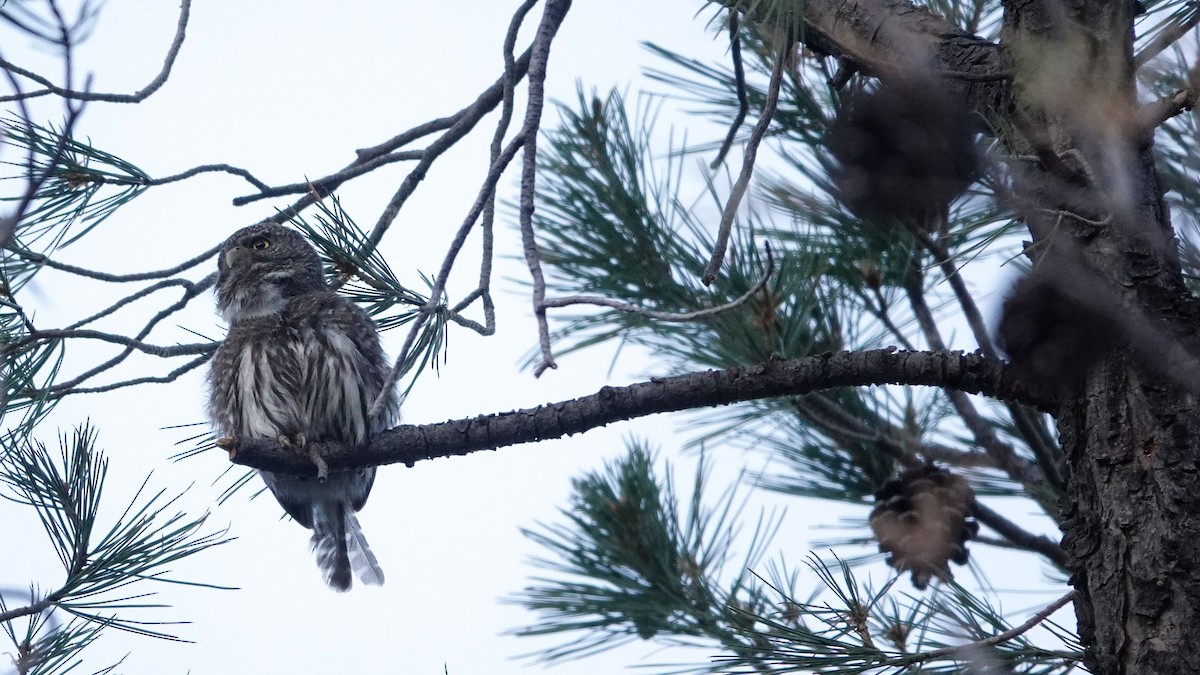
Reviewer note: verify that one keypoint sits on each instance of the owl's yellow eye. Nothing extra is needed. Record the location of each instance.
(260, 244)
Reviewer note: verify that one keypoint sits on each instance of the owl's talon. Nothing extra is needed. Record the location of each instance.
(228, 444)
(295, 441)
(322, 466)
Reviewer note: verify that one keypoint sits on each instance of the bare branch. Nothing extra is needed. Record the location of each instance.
(552, 17)
(465, 121)
(62, 388)
(157, 379)
(743, 182)
(325, 186)
(136, 97)
(153, 350)
(408, 444)
(1030, 431)
(420, 131)
(484, 204)
(118, 278)
(134, 297)
(205, 168)
(483, 290)
(739, 81)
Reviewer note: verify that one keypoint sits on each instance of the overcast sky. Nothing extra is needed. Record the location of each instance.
(288, 91)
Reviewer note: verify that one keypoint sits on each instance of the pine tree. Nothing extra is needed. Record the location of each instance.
(882, 162)
(913, 151)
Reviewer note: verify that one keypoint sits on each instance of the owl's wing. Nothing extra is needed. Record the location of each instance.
(373, 364)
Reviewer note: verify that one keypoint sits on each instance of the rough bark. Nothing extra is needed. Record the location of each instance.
(1132, 436)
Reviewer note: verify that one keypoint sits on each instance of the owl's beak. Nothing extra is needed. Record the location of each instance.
(233, 255)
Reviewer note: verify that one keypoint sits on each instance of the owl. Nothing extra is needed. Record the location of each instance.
(300, 363)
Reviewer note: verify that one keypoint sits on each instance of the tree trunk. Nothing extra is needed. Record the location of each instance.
(1060, 91)
(1131, 435)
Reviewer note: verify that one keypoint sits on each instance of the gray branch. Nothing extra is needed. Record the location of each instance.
(140, 95)
(408, 444)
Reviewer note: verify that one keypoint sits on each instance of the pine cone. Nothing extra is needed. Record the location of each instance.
(1052, 337)
(904, 150)
(923, 520)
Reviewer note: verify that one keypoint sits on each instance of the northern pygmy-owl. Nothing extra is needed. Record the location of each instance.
(300, 364)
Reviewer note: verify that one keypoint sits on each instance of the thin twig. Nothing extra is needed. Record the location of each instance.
(405, 137)
(327, 184)
(199, 287)
(439, 284)
(36, 179)
(158, 379)
(552, 17)
(961, 293)
(136, 97)
(1028, 428)
(483, 290)
(882, 313)
(995, 639)
(46, 261)
(743, 182)
(85, 334)
(739, 82)
(467, 119)
(456, 126)
(501, 92)
(165, 283)
(36, 608)
(669, 316)
(206, 168)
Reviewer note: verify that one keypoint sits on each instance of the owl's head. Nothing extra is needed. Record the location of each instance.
(260, 267)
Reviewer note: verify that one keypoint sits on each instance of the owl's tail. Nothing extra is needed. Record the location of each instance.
(366, 567)
(340, 546)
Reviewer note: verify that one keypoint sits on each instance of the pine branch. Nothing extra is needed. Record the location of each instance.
(409, 444)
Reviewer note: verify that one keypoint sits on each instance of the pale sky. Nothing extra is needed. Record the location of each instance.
(288, 91)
